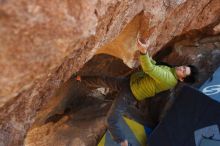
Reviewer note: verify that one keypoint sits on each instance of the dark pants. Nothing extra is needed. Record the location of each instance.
(121, 103)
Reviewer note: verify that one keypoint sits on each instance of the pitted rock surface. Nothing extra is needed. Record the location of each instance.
(43, 43)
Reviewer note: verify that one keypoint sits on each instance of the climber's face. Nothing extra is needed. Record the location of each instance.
(182, 72)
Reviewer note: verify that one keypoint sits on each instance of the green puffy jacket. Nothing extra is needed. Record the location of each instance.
(153, 79)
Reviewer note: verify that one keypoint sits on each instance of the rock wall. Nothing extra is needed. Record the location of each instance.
(79, 118)
(163, 21)
(44, 42)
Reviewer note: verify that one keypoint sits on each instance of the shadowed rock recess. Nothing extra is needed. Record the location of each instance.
(44, 43)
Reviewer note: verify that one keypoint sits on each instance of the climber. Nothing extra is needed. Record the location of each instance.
(138, 86)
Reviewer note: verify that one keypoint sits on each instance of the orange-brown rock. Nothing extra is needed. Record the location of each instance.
(43, 43)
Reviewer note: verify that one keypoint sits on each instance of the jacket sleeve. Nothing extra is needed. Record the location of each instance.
(147, 63)
(155, 71)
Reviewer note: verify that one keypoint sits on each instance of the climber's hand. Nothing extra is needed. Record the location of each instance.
(142, 47)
